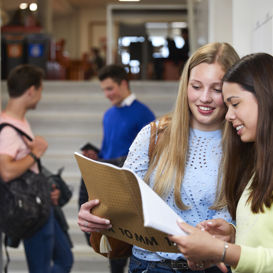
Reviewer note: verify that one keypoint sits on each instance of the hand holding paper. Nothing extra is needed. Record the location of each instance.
(137, 214)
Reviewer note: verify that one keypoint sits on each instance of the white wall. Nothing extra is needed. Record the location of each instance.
(75, 29)
(67, 27)
(88, 17)
(220, 21)
(246, 14)
(201, 22)
(232, 21)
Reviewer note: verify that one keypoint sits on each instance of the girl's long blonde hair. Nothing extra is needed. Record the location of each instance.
(170, 152)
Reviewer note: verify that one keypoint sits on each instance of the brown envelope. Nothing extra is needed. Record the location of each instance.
(120, 202)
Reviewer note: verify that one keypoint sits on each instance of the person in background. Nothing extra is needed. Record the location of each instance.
(183, 168)
(48, 250)
(247, 175)
(183, 52)
(96, 59)
(121, 124)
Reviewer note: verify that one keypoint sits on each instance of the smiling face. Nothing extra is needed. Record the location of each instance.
(205, 97)
(115, 92)
(242, 110)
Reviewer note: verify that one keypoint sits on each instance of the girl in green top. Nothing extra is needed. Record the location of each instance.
(247, 176)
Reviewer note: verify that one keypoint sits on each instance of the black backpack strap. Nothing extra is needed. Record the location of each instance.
(4, 124)
(7, 254)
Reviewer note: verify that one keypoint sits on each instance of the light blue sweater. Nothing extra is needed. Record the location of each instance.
(199, 184)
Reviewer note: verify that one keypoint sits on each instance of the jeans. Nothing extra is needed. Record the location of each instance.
(48, 250)
(141, 266)
(117, 265)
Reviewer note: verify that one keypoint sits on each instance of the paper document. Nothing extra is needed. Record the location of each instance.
(156, 212)
(137, 214)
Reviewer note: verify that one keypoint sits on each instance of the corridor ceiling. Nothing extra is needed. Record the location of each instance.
(64, 7)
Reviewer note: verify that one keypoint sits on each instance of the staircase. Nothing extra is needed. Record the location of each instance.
(69, 115)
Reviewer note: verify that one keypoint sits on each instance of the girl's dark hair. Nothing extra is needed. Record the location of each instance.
(23, 77)
(244, 161)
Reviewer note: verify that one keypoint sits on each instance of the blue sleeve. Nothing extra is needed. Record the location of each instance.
(146, 117)
(103, 144)
(138, 158)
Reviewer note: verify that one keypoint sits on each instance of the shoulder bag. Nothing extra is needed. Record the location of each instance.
(24, 202)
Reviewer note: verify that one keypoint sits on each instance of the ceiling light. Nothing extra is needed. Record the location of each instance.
(129, 0)
(179, 24)
(23, 6)
(33, 6)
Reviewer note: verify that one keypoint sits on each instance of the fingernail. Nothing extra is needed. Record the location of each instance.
(107, 222)
(179, 220)
(209, 222)
(202, 229)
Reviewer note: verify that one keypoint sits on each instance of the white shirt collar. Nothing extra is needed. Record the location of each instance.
(128, 100)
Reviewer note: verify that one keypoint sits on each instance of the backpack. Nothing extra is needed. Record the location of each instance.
(24, 202)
